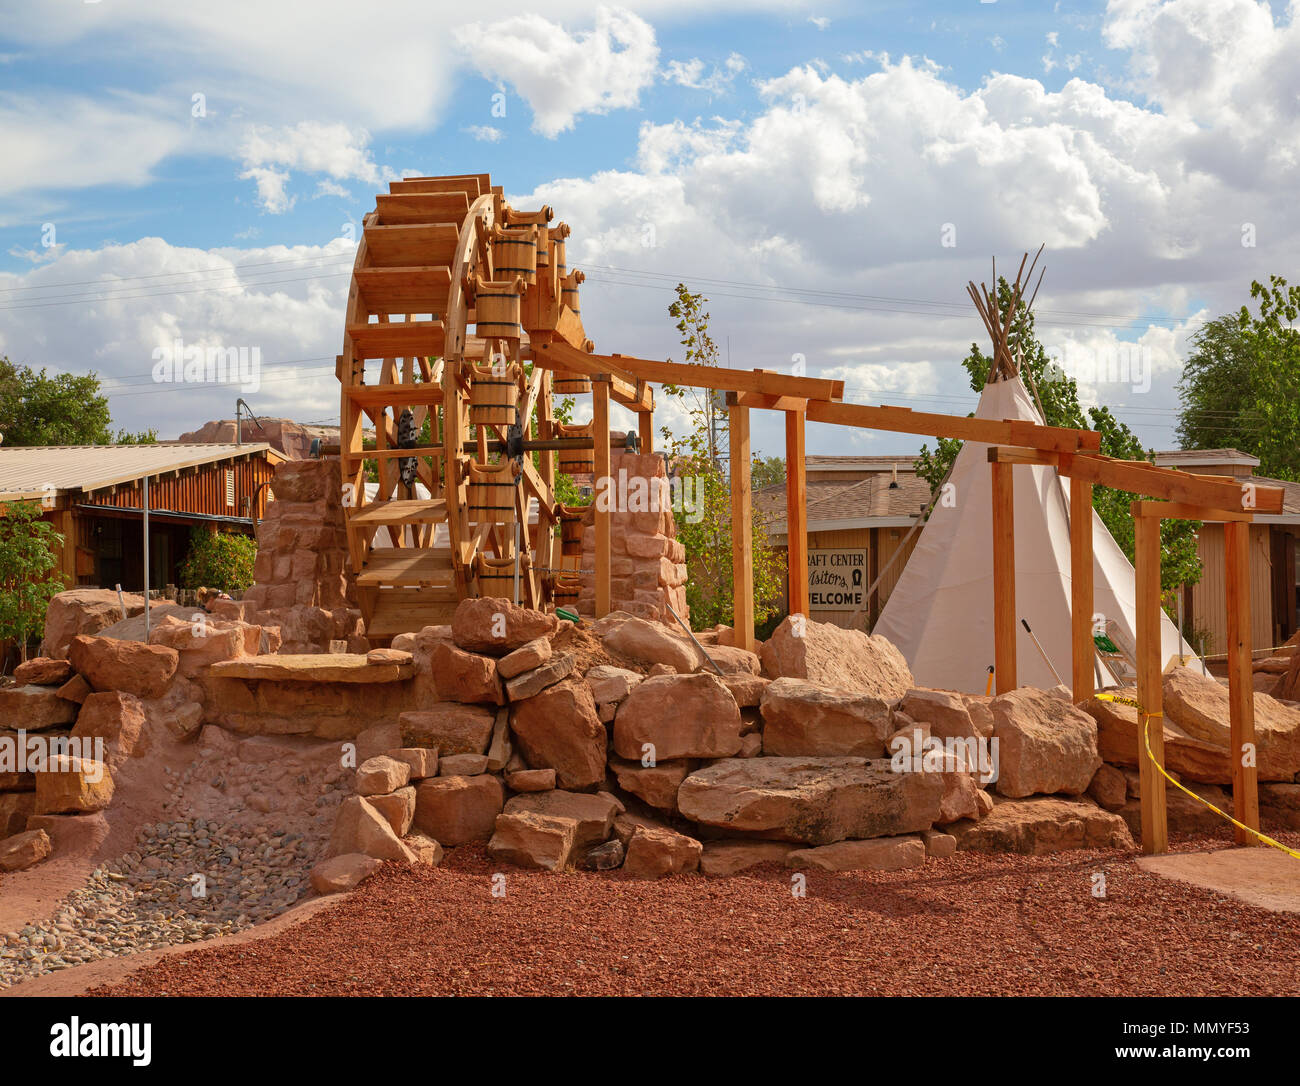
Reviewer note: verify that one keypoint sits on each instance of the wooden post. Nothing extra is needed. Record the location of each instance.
(646, 431)
(1083, 651)
(1004, 578)
(602, 482)
(1241, 692)
(742, 542)
(1155, 829)
(796, 514)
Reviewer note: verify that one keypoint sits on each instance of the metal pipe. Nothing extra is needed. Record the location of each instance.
(1046, 659)
(145, 505)
(692, 637)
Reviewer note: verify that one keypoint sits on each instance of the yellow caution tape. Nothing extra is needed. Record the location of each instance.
(1146, 740)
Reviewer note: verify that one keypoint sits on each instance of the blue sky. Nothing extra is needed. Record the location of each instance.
(799, 161)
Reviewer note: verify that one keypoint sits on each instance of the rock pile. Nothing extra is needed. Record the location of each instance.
(821, 752)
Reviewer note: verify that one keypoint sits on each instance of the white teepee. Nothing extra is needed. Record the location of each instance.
(940, 614)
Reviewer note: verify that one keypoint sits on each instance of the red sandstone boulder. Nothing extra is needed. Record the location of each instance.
(530, 780)
(1108, 788)
(498, 626)
(72, 786)
(1041, 825)
(679, 716)
(559, 729)
(1199, 705)
(449, 726)
(34, 708)
(593, 815)
(24, 850)
(381, 775)
(656, 785)
(653, 643)
(817, 800)
(43, 671)
(108, 664)
(341, 873)
(842, 659)
(531, 683)
(398, 807)
(878, 854)
(116, 718)
(803, 718)
(722, 858)
(457, 810)
(524, 658)
(734, 661)
(15, 809)
(654, 853)
(422, 761)
(1119, 740)
(1045, 744)
(528, 839)
(946, 713)
(360, 827)
(609, 684)
(83, 611)
(465, 676)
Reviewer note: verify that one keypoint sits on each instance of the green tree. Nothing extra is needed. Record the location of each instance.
(37, 409)
(221, 560)
(1241, 384)
(1058, 397)
(767, 471)
(29, 556)
(705, 528)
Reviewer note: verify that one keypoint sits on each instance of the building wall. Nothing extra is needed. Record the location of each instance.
(1209, 595)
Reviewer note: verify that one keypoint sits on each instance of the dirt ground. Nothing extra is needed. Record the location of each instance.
(974, 924)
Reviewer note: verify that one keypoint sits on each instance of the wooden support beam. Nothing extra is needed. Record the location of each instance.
(646, 431)
(1183, 511)
(680, 373)
(600, 429)
(796, 514)
(1004, 578)
(903, 420)
(1168, 484)
(1151, 785)
(1241, 693)
(742, 542)
(1083, 651)
(767, 403)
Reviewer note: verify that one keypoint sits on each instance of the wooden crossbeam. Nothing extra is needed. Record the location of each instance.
(696, 376)
(1207, 493)
(904, 420)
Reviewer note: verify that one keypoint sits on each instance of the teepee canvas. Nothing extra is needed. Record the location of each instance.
(940, 614)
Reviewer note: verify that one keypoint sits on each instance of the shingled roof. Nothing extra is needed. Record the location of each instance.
(835, 505)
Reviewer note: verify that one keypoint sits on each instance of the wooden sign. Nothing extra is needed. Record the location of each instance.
(837, 579)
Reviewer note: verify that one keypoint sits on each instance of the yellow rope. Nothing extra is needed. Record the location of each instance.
(1146, 740)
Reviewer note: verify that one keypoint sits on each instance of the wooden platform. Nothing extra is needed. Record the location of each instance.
(325, 667)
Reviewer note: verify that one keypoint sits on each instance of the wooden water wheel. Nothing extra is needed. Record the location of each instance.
(451, 290)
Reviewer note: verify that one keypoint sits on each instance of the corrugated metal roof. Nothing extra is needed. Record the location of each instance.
(31, 471)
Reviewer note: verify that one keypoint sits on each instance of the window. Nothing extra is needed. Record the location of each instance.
(230, 488)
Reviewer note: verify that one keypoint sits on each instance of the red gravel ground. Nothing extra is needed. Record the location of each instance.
(970, 925)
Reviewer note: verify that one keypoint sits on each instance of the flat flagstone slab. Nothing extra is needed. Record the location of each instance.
(325, 667)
